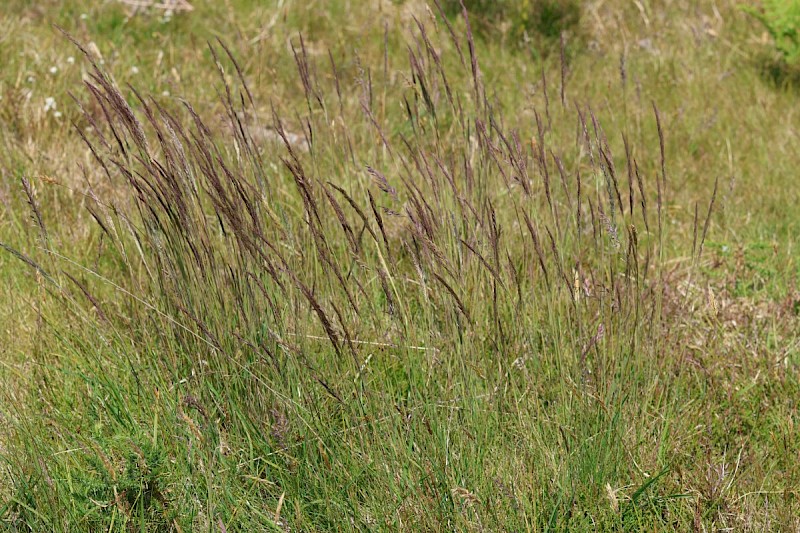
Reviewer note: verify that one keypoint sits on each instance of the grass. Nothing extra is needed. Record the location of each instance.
(351, 268)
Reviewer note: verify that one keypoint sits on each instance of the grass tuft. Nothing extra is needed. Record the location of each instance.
(352, 274)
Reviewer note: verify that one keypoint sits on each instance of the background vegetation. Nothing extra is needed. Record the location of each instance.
(369, 266)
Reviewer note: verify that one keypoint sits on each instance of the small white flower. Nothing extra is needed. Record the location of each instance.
(49, 103)
(31, 79)
(164, 93)
(53, 69)
(70, 60)
(57, 114)
(134, 70)
(84, 16)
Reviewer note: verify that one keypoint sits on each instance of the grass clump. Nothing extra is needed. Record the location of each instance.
(394, 288)
(327, 304)
(288, 294)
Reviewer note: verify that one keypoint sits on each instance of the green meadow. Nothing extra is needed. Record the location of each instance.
(398, 266)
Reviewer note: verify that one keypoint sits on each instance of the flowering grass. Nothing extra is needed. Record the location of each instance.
(345, 267)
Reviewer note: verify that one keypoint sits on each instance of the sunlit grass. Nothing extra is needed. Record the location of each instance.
(378, 322)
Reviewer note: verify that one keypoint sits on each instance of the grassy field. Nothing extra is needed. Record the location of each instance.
(363, 265)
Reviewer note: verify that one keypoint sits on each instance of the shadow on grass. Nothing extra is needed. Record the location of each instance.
(778, 72)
